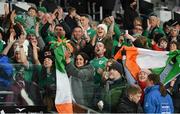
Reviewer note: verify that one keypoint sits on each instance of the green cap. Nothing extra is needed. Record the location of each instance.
(42, 9)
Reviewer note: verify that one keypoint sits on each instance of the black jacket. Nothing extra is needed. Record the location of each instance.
(127, 106)
(176, 102)
(71, 22)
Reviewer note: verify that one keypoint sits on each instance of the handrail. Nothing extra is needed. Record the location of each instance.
(6, 92)
(83, 109)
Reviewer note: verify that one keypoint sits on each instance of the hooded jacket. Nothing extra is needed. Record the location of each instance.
(154, 102)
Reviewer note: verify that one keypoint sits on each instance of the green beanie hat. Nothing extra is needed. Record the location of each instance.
(30, 32)
(20, 19)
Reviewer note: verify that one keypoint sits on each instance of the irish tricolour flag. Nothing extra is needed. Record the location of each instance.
(63, 99)
(164, 63)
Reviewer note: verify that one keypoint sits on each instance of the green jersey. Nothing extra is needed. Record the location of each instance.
(98, 63)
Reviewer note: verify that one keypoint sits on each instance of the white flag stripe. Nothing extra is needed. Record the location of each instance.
(63, 91)
(151, 59)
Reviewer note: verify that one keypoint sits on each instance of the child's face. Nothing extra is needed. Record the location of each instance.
(163, 44)
(173, 47)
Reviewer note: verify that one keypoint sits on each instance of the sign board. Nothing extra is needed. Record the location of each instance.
(164, 15)
(19, 6)
(2, 12)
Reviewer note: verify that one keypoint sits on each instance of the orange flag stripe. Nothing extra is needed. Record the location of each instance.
(65, 108)
(131, 54)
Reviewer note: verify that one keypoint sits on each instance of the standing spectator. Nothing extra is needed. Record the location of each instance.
(130, 103)
(166, 28)
(30, 18)
(80, 5)
(82, 80)
(174, 35)
(50, 5)
(57, 31)
(41, 12)
(99, 62)
(161, 45)
(85, 24)
(116, 31)
(25, 93)
(173, 46)
(70, 19)
(130, 14)
(108, 6)
(153, 27)
(105, 35)
(36, 2)
(2, 43)
(47, 82)
(176, 99)
(142, 78)
(157, 100)
(78, 40)
(113, 90)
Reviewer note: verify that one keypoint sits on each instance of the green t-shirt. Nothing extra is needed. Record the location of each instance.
(48, 80)
(26, 71)
(98, 63)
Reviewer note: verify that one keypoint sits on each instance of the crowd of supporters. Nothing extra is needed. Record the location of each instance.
(27, 61)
